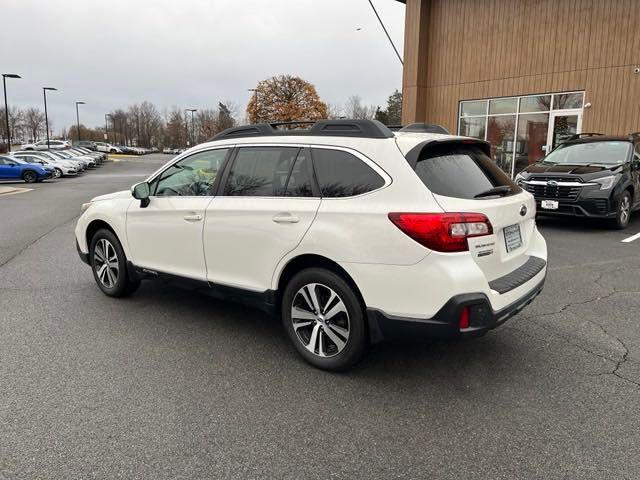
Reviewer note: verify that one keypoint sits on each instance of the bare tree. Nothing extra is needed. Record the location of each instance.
(355, 109)
(34, 123)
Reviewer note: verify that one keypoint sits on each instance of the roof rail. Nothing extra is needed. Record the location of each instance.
(424, 128)
(580, 135)
(321, 128)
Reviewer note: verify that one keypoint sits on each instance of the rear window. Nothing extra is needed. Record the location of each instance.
(463, 171)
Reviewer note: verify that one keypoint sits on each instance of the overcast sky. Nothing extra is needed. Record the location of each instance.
(192, 53)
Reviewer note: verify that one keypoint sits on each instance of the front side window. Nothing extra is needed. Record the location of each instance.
(193, 176)
(599, 153)
(260, 171)
(341, 174)
(463, 172)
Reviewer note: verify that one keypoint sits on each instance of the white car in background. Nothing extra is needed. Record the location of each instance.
(107, 148)
(347, 231)
(88, 161)
(43, 145)
(61, 167)
(80, 165)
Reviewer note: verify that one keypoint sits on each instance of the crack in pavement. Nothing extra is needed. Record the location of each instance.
(30, 244)
(625, 350)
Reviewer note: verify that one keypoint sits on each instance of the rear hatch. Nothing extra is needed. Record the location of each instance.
(463, 178)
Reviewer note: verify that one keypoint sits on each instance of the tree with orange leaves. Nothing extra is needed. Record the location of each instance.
(285, 98)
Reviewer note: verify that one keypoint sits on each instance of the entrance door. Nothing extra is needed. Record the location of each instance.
(563, 124)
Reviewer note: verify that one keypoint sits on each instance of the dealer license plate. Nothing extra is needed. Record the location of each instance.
(512, 237)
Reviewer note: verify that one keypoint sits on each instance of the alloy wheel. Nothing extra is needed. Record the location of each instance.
(320, 320)
(106, 263)
(625, 209)
(58, 173)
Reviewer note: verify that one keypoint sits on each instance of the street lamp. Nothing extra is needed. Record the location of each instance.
(255, 96)
(46, 115)
(6, 107)
(192, 110)
(78, 118)
(106, 127)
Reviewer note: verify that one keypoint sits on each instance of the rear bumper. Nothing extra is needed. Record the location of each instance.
(445, 323)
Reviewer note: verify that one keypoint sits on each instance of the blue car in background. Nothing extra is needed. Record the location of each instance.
(15, 169)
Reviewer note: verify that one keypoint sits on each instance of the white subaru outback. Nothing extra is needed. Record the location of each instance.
(350, 232)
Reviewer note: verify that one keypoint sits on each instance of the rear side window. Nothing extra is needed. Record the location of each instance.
(260, 171)
(463, 171)
(341, 174)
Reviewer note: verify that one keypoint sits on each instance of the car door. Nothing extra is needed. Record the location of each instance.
(635, 173)
(266, 204)
(9, 169)
(166, 235)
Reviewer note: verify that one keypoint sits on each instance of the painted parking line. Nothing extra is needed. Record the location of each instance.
(631, 238)
(13, 190)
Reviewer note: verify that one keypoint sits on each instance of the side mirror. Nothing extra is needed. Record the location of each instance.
(140, 191)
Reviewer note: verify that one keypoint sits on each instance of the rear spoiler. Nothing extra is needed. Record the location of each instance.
(414, 154)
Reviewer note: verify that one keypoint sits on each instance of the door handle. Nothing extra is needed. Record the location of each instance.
(192, 218)
(285, 218)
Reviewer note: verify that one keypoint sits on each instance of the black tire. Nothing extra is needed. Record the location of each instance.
(29, 176)
(122, 285)
(623, 211)
(58, 173)
(112, 151)
(352, 320)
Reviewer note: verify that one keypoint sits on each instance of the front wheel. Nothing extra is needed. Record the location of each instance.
(324, 319)
(623, 211)
(30, 176)
(109, 265)
(58, 173)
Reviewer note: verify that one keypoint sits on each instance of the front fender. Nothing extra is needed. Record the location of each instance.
(112, 212)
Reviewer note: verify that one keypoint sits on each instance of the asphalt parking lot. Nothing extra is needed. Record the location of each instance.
(173, 384)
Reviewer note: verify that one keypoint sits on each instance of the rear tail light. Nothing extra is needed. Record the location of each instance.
(465, 315)
(443, 232)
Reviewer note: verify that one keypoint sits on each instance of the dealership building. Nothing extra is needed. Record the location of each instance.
(523, 74)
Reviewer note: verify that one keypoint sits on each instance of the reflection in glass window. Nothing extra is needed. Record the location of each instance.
(260, 171)
(532, 136)
(500, 134)
(192, 176)
(473, 127)
(568, 101)
(540, 103)
(503, 105)
(476, 107)
(300, 179)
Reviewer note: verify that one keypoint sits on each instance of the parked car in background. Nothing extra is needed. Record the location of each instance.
(589, 175)
(88, 161)
(61, 167)
(85, 144)
(16, 169)
(107, 148)
(96, 156)
(167, 150)
(44, 145)
(57, 155)
(351, 233)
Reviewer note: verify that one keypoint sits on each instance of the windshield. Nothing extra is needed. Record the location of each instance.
(603, 153)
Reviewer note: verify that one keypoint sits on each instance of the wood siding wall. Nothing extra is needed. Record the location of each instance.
(470, 49)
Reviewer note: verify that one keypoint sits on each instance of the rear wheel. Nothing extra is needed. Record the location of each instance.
(109, 265)
(324, 319)
(30, 176)
(623, 211)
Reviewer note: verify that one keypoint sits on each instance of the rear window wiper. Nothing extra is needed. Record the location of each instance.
(494, 191)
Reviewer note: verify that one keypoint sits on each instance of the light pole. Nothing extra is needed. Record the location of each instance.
(6, 106)
(46, 115)
(78, 118)
(106, 127)
(255, 101)
(192, 110)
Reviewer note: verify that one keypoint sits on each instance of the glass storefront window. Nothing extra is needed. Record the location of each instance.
(500, 133)
(503, 105)
(567, 101)
(473, 127)
(518, 127)
(539, 103)
(532, 136)
(475, 107)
